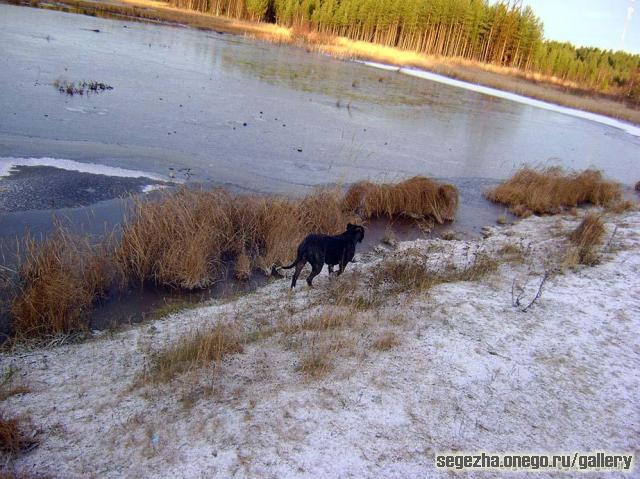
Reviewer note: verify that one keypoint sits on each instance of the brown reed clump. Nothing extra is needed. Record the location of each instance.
(178, 240)
(58, 281)
(417, 197)
(183, 239)
(549, 190)
(12, 437)
(186, 238)
(586, 238)
(197, 350)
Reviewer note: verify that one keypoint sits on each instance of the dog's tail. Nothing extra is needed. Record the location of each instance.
(291, 265)
(274, 269)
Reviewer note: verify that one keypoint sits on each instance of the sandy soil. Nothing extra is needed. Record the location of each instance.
(470, 372)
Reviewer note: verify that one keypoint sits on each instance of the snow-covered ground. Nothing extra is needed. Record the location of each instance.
(471, 373)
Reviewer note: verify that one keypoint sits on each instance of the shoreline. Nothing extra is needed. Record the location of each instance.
(460, 348)
(549, 90)
(627, 127)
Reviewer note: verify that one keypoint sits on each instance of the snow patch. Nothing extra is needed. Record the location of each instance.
(485, 90)
(8, 165)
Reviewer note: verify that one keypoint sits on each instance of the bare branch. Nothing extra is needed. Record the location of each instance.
(610, 242)
(539, 293)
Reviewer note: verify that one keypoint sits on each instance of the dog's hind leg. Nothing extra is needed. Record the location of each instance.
(299, 266)
(342, 265)
(315, 271)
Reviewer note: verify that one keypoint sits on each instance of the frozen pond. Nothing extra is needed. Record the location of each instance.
(200, 106)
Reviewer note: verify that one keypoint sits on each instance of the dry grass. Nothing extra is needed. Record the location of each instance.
(389, 237)
(326, 320)
(59, 280)
(417, 197)
(183, 239)
(449, 235)
(585, 239)
(410, 275)
(197, 350)
(242, 267)
(386, 341)
(13, 439)
(512, 252)
(187, 238)
(548, 191)
(348, 292)
(315, 363)
(8, 388)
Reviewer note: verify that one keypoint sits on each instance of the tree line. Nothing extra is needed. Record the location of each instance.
(502, 33)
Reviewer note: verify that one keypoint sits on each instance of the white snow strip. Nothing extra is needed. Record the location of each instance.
(150, 188)
(8, 165)
(485, 90)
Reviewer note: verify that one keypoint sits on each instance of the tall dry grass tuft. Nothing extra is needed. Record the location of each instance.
(183, 239)
(13, 439)
(59, 280)
(586, 238)
(548, 190)
(177, 240)
(417, 197)
(195, 351)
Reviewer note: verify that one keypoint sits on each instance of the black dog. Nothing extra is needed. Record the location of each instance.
(323, 249)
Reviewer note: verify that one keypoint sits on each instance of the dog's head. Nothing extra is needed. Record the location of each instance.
(357, 231)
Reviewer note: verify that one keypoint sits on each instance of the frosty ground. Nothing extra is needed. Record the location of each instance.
(456, 367)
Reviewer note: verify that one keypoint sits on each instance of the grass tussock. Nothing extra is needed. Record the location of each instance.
(186, 239)
(183, 239)
(585, 240)
(315, 363)
(417, 197)
(13, 439)
(348, 293)
(58, 282)
(549, 190)
(196, 351)
(386, 341)
(406, 275)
